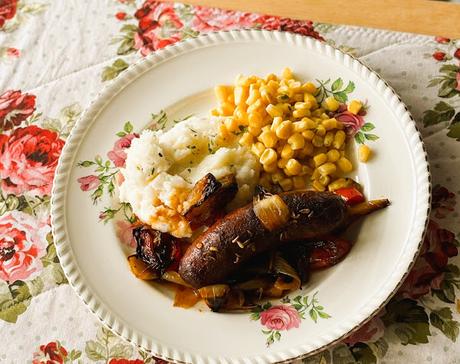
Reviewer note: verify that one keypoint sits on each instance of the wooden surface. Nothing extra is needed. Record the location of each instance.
(416, 16)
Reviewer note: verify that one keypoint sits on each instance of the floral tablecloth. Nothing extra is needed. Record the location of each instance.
(54, 58)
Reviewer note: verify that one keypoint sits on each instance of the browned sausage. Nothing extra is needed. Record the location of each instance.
(240, 235)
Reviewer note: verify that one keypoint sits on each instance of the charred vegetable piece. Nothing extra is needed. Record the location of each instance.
(298, 256)
(351, 195)
(241, 235)
(215, 296)
(328, 252)
(140, 269)
(159, 251)
(208, 198)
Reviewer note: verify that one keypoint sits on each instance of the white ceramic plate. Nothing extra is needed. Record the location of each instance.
(179, 79)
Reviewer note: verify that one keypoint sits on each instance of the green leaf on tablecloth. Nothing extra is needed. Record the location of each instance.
(379, 347)
(16, 302)
(36, 286)
(74, 355)
(447, 68)
(126, 46)
(95, 351)
(110, 72)
(58, 274)
(447, 89)
(8, 203)
(52, 124)
(442, 319)
(341, 354)
(408, 320)
(51, 256)
(363, 354)
(321, 358)
(440, 113)
(435, 81)
(446, 291)
(120, 351)
(454, 130)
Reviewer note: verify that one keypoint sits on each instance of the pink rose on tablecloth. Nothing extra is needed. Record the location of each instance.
(213, 19)
(124, 232)
(28, 159)
(428, 272)
(281, 317)
(442, 40)
(303, 27)
(22, 244)
(442, 201)
(15, 107)
(89, 183)
(159, 26)
(7, 10)
(370, 332)
(118, 155)
(51, 353)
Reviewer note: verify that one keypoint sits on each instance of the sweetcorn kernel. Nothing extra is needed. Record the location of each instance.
(320, 130)
(324, 179)
(270, 168)
(286, 184)
(338, 183)
(296, 141)
(287, 152)
(284, 130)
(330, 124)
(254, 130)
(345, 165)
(273, 110)
(300, 113)
(308, 134)
(318, 186)
(293, 167)
(309, 87)
(320, 159)
(268, 138)
(246, 139)
(364, 153)
(287, 73)
(269, 156)
(355, 106)
(339, 139)
(317, 141)
(282, 163)
(328, 139)
(333, 155)
(330, 104)
(327, 168)
(258, 148)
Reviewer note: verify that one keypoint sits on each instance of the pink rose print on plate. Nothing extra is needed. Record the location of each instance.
(118, 155)
(89, 183)
(281, 317)
(124, 232)
(15, 107)
(22, 244)
(28, 159)
(353, 123)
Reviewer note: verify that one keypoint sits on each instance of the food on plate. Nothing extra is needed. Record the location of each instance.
(244, 204)
(297, 140)
(162, 168)
(265, 224)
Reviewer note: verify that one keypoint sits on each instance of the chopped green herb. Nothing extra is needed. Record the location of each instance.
(161, 155)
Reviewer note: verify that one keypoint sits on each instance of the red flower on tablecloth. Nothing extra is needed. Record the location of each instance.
(281, 317)
(159, 26)
(51, 353)
(118, 155)
(22, 244)
(442, 40)
(457, 53)
(13, 52)
(370, 332)
(303, 27)
(442, 202)
(28, 159)
(7, 10)
(439, 56)
(89, 183)
(428, 272)
(15, 107)
(126, 361)
(121, 15)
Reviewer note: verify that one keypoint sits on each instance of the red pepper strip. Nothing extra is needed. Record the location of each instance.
(351, 195)
(328, 252)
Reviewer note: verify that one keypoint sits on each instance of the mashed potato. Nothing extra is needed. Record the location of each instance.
(163, 166)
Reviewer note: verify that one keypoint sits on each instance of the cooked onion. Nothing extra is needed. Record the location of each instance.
(174, 277)
(140, 269)
(272, 212)
(215, 296)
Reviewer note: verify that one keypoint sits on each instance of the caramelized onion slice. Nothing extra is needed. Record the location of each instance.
(140, 269)
(215, 296)
(287, 277)
(174, 277)
(272, 212)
